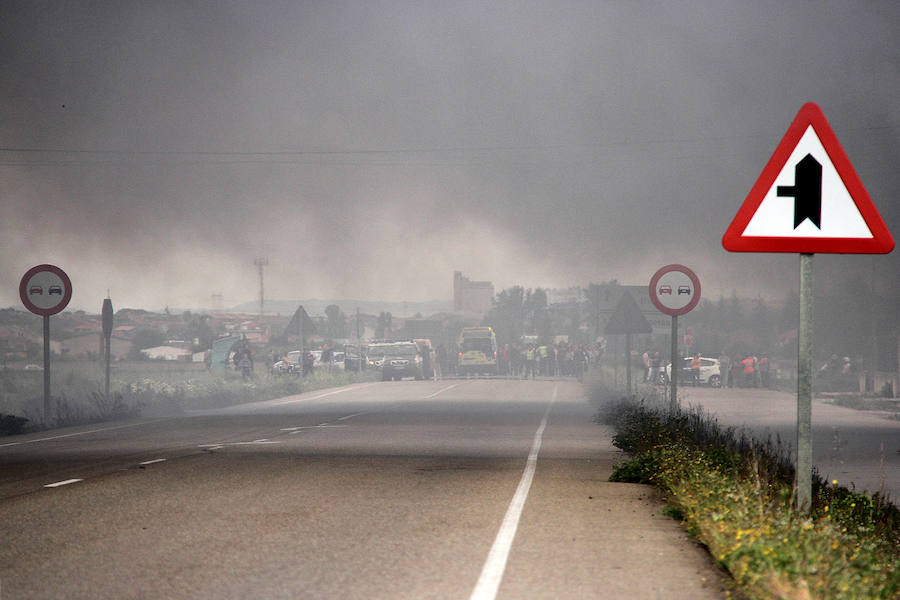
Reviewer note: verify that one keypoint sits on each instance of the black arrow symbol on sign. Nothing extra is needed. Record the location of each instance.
(806, 191)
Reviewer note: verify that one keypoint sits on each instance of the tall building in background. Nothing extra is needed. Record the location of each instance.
(471, 296)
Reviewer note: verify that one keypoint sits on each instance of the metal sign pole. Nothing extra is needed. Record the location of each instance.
(628, 364)
(673, 378)
(46, 407)
(804, 385)
(106, 313)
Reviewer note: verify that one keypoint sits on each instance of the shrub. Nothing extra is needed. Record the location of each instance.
(11, 424)
(735, 495)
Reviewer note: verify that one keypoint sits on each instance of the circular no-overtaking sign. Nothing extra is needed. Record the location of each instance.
(45, 290)
(675, 290)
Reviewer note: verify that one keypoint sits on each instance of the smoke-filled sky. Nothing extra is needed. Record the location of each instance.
(369, 149)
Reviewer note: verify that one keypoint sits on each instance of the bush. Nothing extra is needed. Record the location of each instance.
(11, 424)
(735, 495)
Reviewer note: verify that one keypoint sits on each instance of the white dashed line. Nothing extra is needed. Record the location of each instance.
(351, 416)
(60, 483)
(68, 435)
(152, 462)
(449, 387)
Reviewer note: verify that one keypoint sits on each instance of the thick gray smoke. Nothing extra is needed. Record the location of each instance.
(370, 149)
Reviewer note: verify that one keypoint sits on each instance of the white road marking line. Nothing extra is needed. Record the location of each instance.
(449, 387)
(152, 462)
(351, 416)
(222, 445)
(302, 427)
(331, 393)
(492, 572)
(67, 435)
(255, 443)
(59, 483)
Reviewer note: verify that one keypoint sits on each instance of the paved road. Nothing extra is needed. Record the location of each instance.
(851, 446)
(454, 489)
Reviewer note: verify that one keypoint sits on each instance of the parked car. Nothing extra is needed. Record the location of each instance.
(354, 359)
(709, 372)
(337, 360)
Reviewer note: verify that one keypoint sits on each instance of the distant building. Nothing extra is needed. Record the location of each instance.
(471, 296)
(572, 295)
(167, 353)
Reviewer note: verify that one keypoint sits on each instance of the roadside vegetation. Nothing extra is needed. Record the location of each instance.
(735, 495)
(145, 388)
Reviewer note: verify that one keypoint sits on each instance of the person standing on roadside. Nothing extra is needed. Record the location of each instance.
(695, 368)
(529, 361)
(724, 369)
(749, 371)
(654, 367)
(580, 359)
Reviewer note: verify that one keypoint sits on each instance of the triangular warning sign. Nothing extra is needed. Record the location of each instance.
(808, 199)
(627, 318)
(300, 324)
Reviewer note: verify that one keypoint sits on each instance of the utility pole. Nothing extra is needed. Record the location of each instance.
(261, 263)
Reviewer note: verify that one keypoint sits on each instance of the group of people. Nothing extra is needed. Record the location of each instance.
(749, 370)
(546, 360)
(746, 370)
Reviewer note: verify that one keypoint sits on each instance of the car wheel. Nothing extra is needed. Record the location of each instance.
(715, 381)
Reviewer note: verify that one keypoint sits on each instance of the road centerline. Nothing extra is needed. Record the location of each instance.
(62, 483)
(492, 572)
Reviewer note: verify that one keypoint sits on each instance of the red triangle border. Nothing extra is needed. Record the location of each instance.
(810, 114)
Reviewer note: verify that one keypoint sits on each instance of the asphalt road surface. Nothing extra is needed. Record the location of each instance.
(438, 489)
(856, 448)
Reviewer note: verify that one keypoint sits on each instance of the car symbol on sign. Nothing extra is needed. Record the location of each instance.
(665, 289)
(55, 289)
(682, 289)
(36, 289)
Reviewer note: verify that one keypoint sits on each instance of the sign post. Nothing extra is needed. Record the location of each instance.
(827, 210)
(627, 319)
(45, 290)
(107, 314)
(674, 290)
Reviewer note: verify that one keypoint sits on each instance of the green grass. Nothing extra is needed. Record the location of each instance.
(147, 388)
(734, 494)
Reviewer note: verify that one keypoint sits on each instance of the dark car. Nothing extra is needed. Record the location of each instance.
(402, 359)
(54, 289)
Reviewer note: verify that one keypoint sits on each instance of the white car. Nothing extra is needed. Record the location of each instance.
(709, 372)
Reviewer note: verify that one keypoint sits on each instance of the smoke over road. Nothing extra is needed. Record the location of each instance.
(371, 149)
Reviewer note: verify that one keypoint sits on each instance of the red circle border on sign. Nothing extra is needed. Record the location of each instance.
(674, 311)
(46, 312)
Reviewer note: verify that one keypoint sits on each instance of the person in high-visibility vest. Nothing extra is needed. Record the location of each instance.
(529, 361)
(748, 371)
(695, 369)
